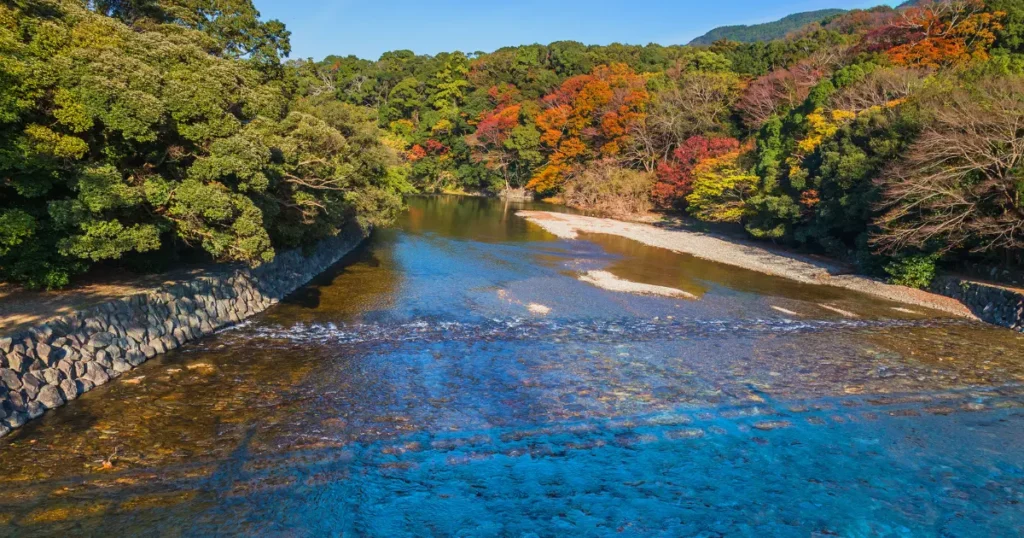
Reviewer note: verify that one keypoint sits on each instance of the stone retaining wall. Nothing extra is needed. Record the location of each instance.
(994, 304)
(45, 366)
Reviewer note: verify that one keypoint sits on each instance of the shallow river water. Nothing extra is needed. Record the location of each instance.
(454, 377)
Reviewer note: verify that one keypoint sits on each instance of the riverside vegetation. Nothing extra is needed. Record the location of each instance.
(146, 130)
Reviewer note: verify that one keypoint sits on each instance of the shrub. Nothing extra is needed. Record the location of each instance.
(608, 189)
(913, 270)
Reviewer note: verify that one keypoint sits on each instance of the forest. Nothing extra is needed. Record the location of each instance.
(145, 130)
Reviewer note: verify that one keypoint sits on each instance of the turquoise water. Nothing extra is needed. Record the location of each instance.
(418, 390)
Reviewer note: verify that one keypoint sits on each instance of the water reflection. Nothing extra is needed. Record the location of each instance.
(413, 390)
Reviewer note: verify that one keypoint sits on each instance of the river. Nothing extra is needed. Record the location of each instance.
(455, 377)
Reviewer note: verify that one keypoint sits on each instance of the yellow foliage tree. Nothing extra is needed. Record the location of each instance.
(721, 187)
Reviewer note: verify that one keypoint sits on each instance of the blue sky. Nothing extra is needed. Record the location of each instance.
(368, 28)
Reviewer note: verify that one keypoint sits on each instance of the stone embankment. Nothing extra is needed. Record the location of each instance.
(46, 366)
(995, 304)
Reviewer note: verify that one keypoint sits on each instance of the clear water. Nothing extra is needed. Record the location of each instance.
(413, 392)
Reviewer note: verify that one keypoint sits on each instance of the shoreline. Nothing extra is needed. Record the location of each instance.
(745, 255)
(46, 366)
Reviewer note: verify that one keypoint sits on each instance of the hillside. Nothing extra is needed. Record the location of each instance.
(767, 31)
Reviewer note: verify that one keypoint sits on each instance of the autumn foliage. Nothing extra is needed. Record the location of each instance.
(938, 34)
(589, 116)
(675, 177)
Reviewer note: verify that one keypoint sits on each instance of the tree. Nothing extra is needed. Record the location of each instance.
(721, 187)
(683, 105)
(235, 24)
(962, 182)
(493, 130)
(675, 177)
(123, 141)
(588, 116)
(938, 33)
(783, 89)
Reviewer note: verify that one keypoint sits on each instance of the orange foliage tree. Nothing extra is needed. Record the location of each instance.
(493, 128)
(939, 34)
(588, 116)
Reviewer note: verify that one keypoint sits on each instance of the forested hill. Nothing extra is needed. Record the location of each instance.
(767, 31)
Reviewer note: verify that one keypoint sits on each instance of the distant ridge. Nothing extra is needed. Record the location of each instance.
(767, 31)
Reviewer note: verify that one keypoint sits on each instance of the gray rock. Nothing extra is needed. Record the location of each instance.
(97, 375)
(17, 401)
(80, 369)
(18, 362)
(10, 378)
(51, 397)
(103, 359)
(44, 352)
(16, 420)
(148, 351)
(101, 340)
(137, 333)
(30, 385)
(114, 352)
(4, 429)
(35, 410)
(158, 346)
(121, 365)
(69, 388)
(51, 376)
(84, 385)
(67, 368)
(6, 343)
(135, 358)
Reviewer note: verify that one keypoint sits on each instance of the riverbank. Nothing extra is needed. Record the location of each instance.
(746, 255)
(47, 365)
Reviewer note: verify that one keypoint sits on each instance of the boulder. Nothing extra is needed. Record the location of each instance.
(69, 389)
(50, 397)
(30, 385)
(120, 365)
(18, 362)
(35, 410)
(103, 359)
(10, 378)
(16, 420)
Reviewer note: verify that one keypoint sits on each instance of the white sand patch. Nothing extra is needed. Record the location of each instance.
(905, 310)
(538, 309)
(784, 311)
(745, 254)
(839, 311)
(610, 282)
(535, 308)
